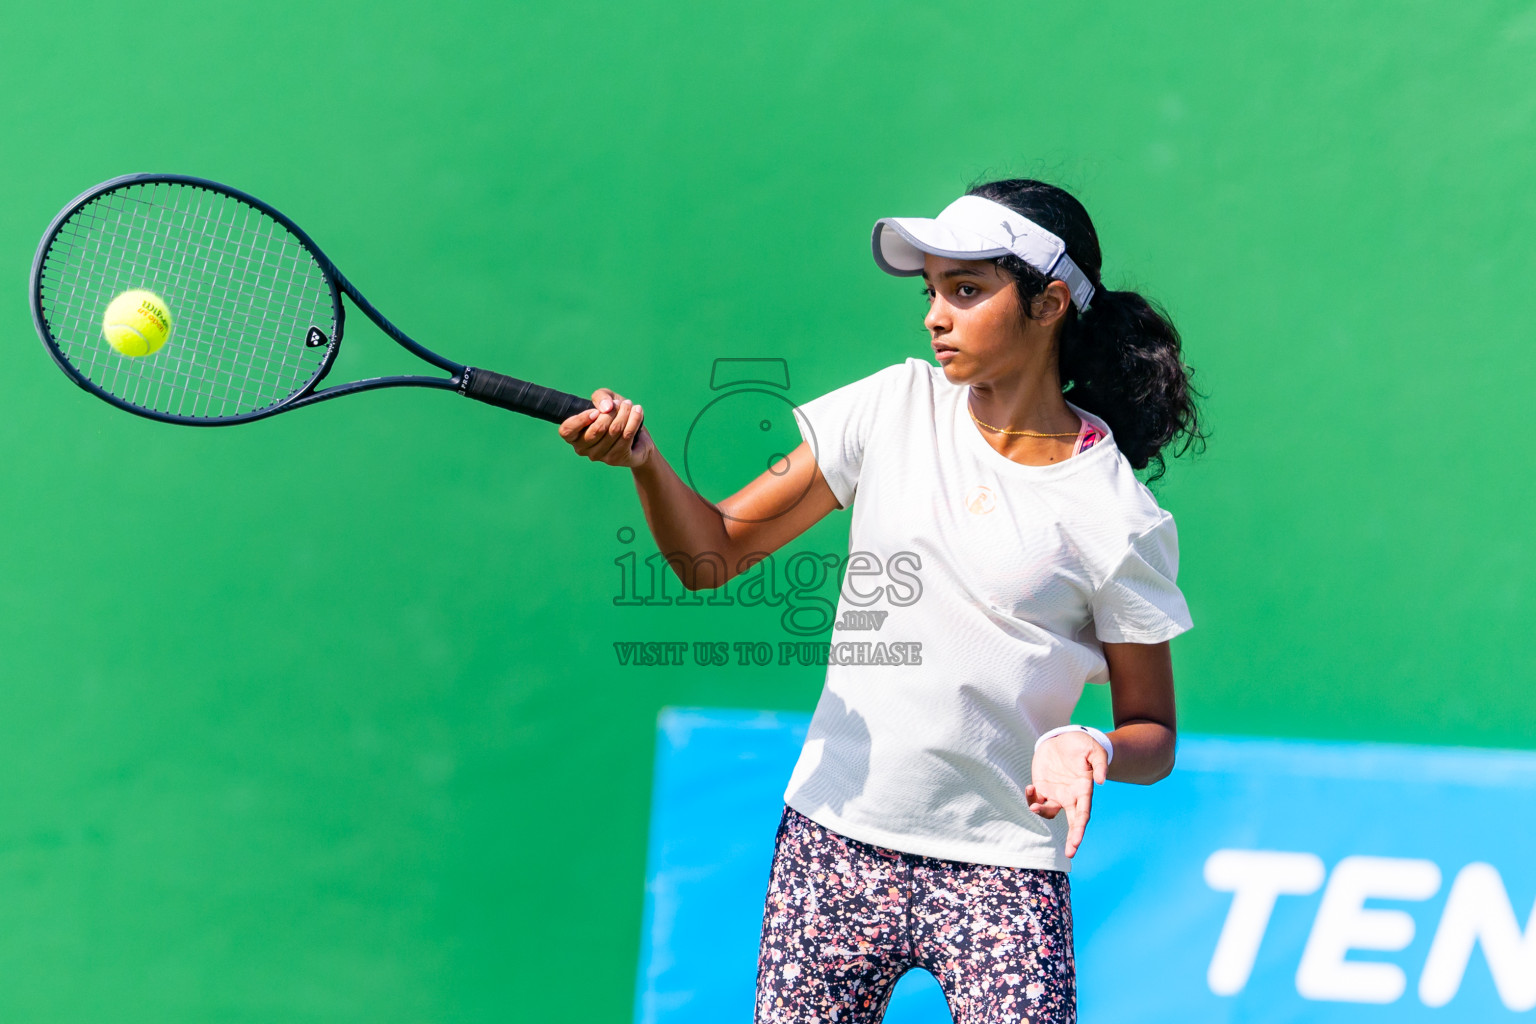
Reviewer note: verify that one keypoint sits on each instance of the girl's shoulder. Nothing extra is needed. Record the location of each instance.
(886, 390)
(1129, 503)
(912, 374)
(1110, 487)
(921, 381)
(924, 373)
(918, 391)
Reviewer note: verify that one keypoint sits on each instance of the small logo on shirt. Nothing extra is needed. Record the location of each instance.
(980, 500)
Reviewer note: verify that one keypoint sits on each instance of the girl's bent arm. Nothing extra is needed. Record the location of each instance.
(1067, 767)
(1141, 691)
(706, 544)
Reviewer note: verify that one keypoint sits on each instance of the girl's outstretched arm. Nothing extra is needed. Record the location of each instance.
(706, 544)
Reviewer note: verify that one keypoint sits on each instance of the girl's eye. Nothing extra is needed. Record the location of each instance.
(927, 293)
(966, 291)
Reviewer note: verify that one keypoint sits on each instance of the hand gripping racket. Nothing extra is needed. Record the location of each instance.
(256, 308)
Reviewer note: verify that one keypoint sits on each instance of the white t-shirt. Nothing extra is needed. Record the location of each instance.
(999, 581)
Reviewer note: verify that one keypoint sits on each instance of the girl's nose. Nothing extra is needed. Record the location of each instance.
(937, 321)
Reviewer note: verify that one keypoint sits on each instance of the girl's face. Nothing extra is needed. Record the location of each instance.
(974, 319)
(976, 324)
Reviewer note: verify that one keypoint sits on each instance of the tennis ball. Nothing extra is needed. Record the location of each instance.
(137, 322)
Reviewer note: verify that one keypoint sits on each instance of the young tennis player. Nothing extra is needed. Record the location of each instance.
(938, 800)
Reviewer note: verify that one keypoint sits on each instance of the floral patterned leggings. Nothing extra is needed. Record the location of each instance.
(844, 920)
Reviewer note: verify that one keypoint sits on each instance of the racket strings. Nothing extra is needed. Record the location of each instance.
(203, 376)
(244, 363)
(242, 289)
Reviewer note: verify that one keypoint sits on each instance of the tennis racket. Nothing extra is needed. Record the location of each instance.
(256, 306)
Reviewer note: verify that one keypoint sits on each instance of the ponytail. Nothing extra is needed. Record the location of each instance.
(1121, 360)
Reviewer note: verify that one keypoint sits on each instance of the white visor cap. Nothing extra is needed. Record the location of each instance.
(973, 228)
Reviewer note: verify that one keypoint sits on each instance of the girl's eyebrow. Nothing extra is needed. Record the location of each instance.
(954, 272)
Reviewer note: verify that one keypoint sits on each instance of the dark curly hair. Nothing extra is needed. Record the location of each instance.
(1121, 359)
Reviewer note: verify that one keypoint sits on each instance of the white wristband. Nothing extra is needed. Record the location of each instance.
(1098, 737)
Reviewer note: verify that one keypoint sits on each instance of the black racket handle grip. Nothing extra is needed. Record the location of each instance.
(521, 396)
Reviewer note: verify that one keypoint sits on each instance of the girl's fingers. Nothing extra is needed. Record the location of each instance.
(607, 431)
(1075, 831)
(1099, 761)
(605, 399)
(620, 418)
(1077, 823)
(615, 435)
(607, 446)
(572, 427)
(597, 430)
(1040, 804)
(636, 417)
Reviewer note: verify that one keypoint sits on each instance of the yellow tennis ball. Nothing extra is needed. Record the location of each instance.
(137, 322)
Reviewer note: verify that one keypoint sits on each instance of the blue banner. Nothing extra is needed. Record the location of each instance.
(1262, 881)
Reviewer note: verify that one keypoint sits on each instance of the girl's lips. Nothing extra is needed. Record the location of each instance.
(943, 352)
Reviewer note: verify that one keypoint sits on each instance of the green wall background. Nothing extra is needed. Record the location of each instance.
(320, 719)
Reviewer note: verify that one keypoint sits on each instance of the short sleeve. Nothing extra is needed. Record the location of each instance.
(838, 425)
(1138, 602)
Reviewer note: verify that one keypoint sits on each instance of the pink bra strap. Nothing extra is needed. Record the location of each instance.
(1089, 436)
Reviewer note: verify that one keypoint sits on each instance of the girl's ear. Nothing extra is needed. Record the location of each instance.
(1052, 304)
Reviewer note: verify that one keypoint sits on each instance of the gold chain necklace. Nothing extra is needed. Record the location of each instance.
(1019, 433)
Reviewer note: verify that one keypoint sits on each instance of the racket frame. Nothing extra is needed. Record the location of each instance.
(460, 375)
